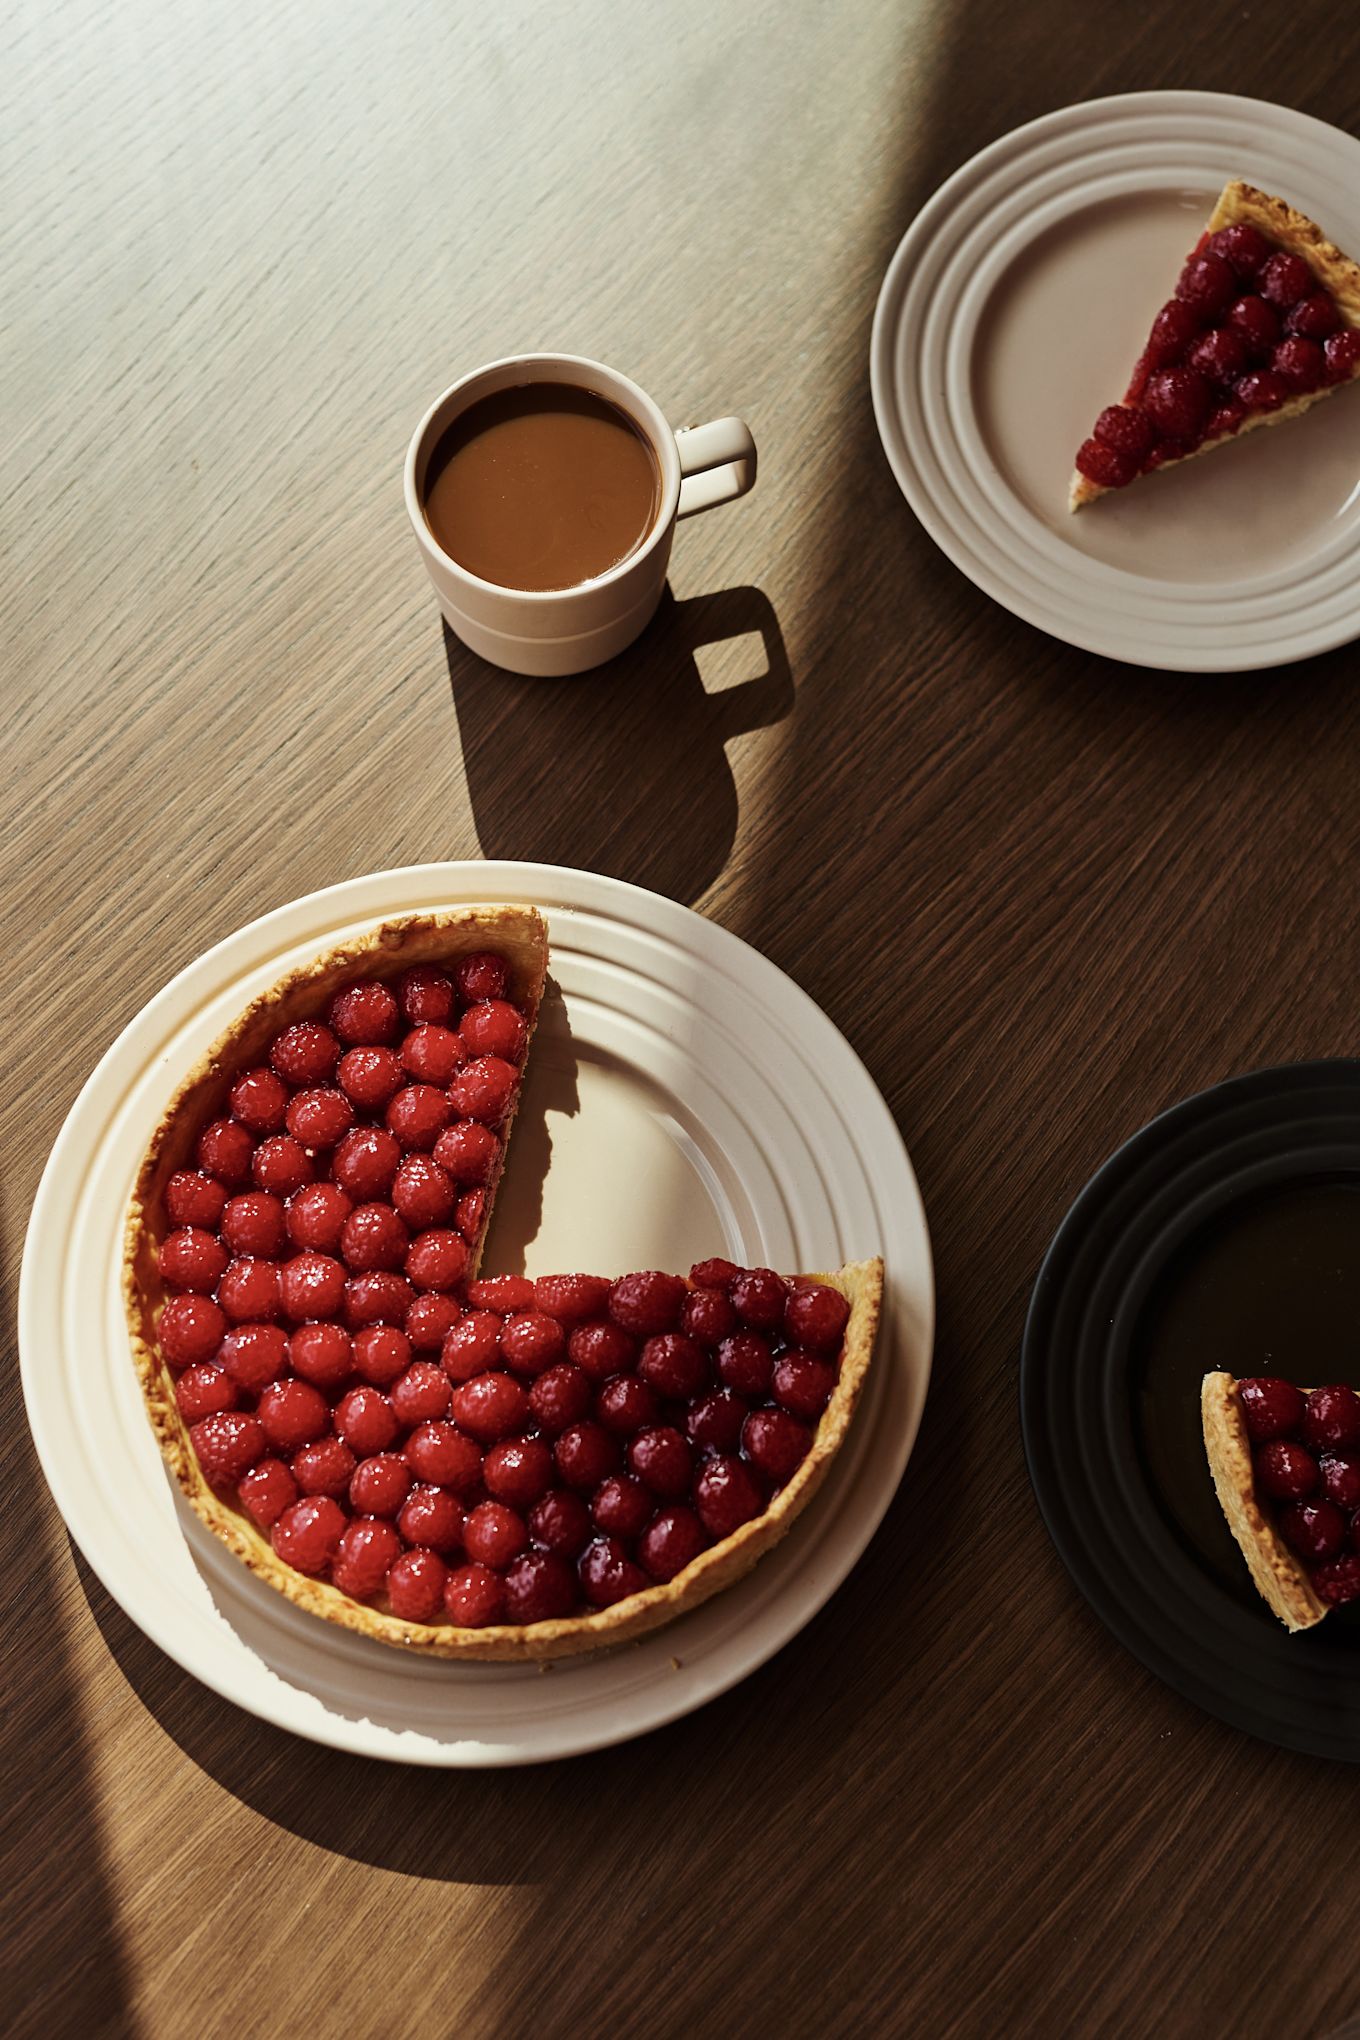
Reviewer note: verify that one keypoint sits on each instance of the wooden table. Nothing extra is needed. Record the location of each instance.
(243, 250)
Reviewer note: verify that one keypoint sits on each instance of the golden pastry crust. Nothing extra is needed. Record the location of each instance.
(1243, 204)
(1279, 1575)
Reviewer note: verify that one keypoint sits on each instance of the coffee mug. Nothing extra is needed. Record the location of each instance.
(549, 632)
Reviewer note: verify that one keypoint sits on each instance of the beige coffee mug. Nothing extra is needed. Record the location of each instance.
(567, 630)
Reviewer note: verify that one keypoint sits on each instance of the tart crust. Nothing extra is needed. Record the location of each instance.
(1242, 204)
(1279, 1576)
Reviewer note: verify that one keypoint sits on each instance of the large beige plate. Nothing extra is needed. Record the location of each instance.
(685, 1098)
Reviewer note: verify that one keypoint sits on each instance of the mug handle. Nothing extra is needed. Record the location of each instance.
(717, 464)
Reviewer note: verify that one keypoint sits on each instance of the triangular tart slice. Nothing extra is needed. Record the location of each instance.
(1286, 1464)
(1264, 323)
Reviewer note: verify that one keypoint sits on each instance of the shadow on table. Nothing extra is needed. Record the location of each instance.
(623, 770)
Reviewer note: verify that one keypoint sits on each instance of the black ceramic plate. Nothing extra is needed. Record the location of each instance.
(1225, 1234)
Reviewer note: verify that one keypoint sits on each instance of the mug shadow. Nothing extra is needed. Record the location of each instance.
(649, 795)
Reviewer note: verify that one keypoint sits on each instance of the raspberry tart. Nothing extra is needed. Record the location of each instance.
(484, 1468)
(1286, 1464)
(1264, 323)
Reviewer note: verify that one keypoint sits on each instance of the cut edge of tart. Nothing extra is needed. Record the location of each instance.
(1280, 1576)
(1241, 204)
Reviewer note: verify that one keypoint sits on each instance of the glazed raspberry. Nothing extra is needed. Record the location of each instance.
(482, 1090)
(425, 994)
(1338, 1580)
(621, 1506)
(714, 1424)
(1224, 420)
(470, 1213)
(1271, 1408)
(191, 1328)
(366, 1161)
(370, 1076)
(1178, 401)
(249, 1291)
(1342, 355)
(539, 1587)
(474, 1597)
(469, 1152)
(1313, 317)
(493, 1535)
(660, 1457)
(433, 1054)
(362, 1558)
(531, 1343)
(431, 1517)
(671, 1541)
(191, 1198)
(646, 1303)
(193, 1259)
(726, 1496)
(713, 1274)
(481, 975)
(382, 1354)
(746, 1363)
(282, 1165)
(503, 1293)
(325, 1468)
(379, 1486)
(1315, 1530)
(266, 1491)
(561, 1523)
(602, 1349)
(319, 1118)
(1124, 430)
(674, 1365)
(761, 1298)
(816, 1316)
(420, 1393)
(307, 1535)
(315, 1216)
(1258, 325)
(1245, 247)
(708, 1316)
(311, 1286)
(305, 1053)
(1285, 279)
(366, 1421)
(1340, 1481)
(373, 1237)
(491, 1406)
(1301, 363)
(586, 1454)
(626, 1404)
(259, 1100)
(1174, 327)
(255, 1355)
(572, 1298)
(415, 1587)
(430, 1320)
(438, 1259)
(377, 1298)
(228, 1445)
(204, 1391)
(365, 1014)
(775, 1443)
(225, 1151)
(607, 1573)
(1207, 283)
(1103, 466)
(254, 1224)
(472, 1346)
(1222, 355)
(494, 1028)
(560, 1397)
(418, 1115)
(803, 1384)
(293, 1414)
(321, 1354)
(1331, 1420)
(1285, 1471)
(442, 1455)
(1263, 390)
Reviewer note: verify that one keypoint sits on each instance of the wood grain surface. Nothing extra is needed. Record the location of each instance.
(243, 248)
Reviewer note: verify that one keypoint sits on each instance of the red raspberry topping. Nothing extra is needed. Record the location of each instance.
(1315, 1530)
(1222, 355)
(1207, 283)
(803, 1385)
(746, 1363)
(366, 1162)
(1257, 323)
(293, 1414)
(225, 1150)
(760, 1297)
(365, 1014)
(379, 1486)
(560, 1397)
(266, 1491)
(726, 1496)
(621, 1506)
(714, 1273)
(228, 1445)
(377, 1298)
(1103, 466)
(191, 1198)
(425, 993)
(607, 1574)
(420, 1393)
(307, 1535)
(362, 1558)
(418, 1115)
(1341, 1480)
(483, 1089)
(370, 1076)
(311, 1286)
(572, 1298)
(707, 1315)
(1331, 1420)
(660, 1457)
(204, 1390)
(1338, 1580)
(325, 1468)
(468, 1152)
(253, 1224)
(259, 1100)
(315, 1216)
(1314, 317)
(561, 1522)
(539, 1587)
(1285, 279)
(714, 1424)
(1224, 420)
(382, 1354)
(491, 1406)
(1263, 390)
(366, 1421)
(646, 1303)
(191, 1328)
(322, 1354)
(504, 1293)
(1271, 1408)
(193, 1259)
(305, 1053)
(481, 975)
(433, 1054)
(474, 1597)
(493, 1535)
(250, 1291)
(442, 1455)
(438, 1259)
(672, 1540)
(430, 1320)
(471, 1212)
(586, 1454)
(1125, 431)
(1301, 363)
(255, 1355)
(674, 1365)
(600, 1350)
(518, 1471)
(373, 1237)
(431, 1517)
(1285, 1471)
(1245, 247)
(626, 1404)
(775, 1443)
(1178, 402)
(282, 1165)
(320, 1118)
(1342, 355)
(472, 1346)
(1174, 327)
(816, 1315)
(495, 1028)
(530, 1342)
(415, 1587)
